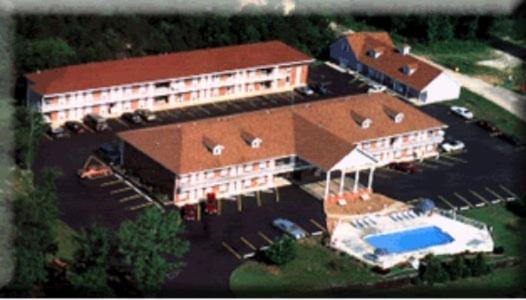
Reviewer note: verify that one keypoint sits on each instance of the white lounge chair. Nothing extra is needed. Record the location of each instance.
(353, 224)
(412, 213)
(366, 222)
(372, 221)
(392, 217)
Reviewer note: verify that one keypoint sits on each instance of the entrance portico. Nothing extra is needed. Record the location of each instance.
(356, 161)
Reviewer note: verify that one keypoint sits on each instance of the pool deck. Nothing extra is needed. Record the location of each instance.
(349, 236)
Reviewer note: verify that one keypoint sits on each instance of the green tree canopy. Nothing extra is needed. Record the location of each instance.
(281, 251)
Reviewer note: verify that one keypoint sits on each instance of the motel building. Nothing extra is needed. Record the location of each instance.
(339, 138)
(165, 81)
(374, 55)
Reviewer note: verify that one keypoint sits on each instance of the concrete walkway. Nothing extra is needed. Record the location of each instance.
(510, 101)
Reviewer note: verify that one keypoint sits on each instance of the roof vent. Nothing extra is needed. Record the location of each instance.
(409, 69)
(251, 140)
(375, 52)
(362, 121)
(404, 49)
(397, 116)
(212, 146)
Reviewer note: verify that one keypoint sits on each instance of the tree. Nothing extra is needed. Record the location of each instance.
(457, 268)
(433, 29)
(147, 243)
(479, 266)
(29, 130)
(89, 275)
(432, 271)
(281, 251)
(44, 53)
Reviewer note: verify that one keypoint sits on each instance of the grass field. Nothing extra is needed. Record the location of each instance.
(65, 237)
(508, 229)
(315, 268)
(485, 109)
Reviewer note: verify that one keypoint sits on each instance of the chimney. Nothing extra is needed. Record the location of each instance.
(396, 116)
(404, 49)
(362, 121)
(212, 146)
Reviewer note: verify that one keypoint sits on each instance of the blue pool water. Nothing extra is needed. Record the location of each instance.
(409, 240)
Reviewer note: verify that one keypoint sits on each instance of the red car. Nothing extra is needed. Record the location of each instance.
(189, 212)
(405, 167)
(211, 204)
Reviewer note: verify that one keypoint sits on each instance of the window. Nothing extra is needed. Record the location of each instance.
(262, 165)
(224, 172)
(222, 188)
(248, 168)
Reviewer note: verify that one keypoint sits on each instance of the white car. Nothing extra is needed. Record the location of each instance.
(376, 88)
(452, 146)
(462, 111)
(305, 90)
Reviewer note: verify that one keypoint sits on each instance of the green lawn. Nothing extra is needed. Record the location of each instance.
(65, 241)
(485, 109)
(315, 268)
(508, 229)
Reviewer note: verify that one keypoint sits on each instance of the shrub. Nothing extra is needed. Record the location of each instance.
(432, 271)
(457, 268)
(517, 207)
(479, 266)
(281, 251)
(381, 271)
(498, 250)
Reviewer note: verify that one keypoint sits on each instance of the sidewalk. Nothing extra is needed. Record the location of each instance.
(510, 101)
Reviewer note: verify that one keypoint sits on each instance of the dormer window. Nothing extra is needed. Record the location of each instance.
(251, 140)
(409, 69)
(396, 116)
(375, 52)
(362, 121)
(213, 147)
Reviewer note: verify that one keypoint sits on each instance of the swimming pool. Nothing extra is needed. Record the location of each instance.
(409, 240)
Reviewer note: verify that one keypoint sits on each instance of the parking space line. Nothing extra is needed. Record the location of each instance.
(484, 200)
(509, 192)
(265, 237)
(129, 198)
(190, 113)
(315, 223)
(252, 103)
(446, 202)
(218, 106)
(111, 183)
(413, 200)
(235, 106)
(47, 136)
(136, 207)
(457, 159)
(444, 163)
(122, 122)
(249, 244)
(124, 189)
(499, 197)
(231, 250)
(87, 128)
(204, 110)
(464, 199)
(427, 165)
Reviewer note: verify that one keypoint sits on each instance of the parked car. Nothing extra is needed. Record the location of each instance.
(462, 111)
(321, 89)
(305, 90)
(146, 114)
(376, 88)
(189, 213)
(405, 167)
(110, 153)
(96, 122)
(75, 127)
(289, 228)
(211, 204)
(58, 133)
(132, 118)
(452, 146)
(512, 140)
(488, 126)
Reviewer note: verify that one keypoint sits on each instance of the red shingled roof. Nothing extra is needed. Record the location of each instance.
(391, 62)
(321, 133)
(163, 66)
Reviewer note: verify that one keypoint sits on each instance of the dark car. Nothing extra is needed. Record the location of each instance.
(96, 122)
(405, 167)
(189, 212)
(488, 126)
(321, 89)
(110, 153)
(74, 126)
(512, 140)
(133, 118)
(146, 114)
(58, 133)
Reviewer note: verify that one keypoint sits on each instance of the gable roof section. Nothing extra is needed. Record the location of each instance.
(163, 66)
(321, 133)
(391, 62)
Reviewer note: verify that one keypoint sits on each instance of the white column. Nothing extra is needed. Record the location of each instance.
(328, 175)
(356, 179)
(342, 181)
(371, 176)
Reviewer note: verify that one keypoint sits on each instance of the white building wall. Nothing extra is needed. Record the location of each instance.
(442, 88)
